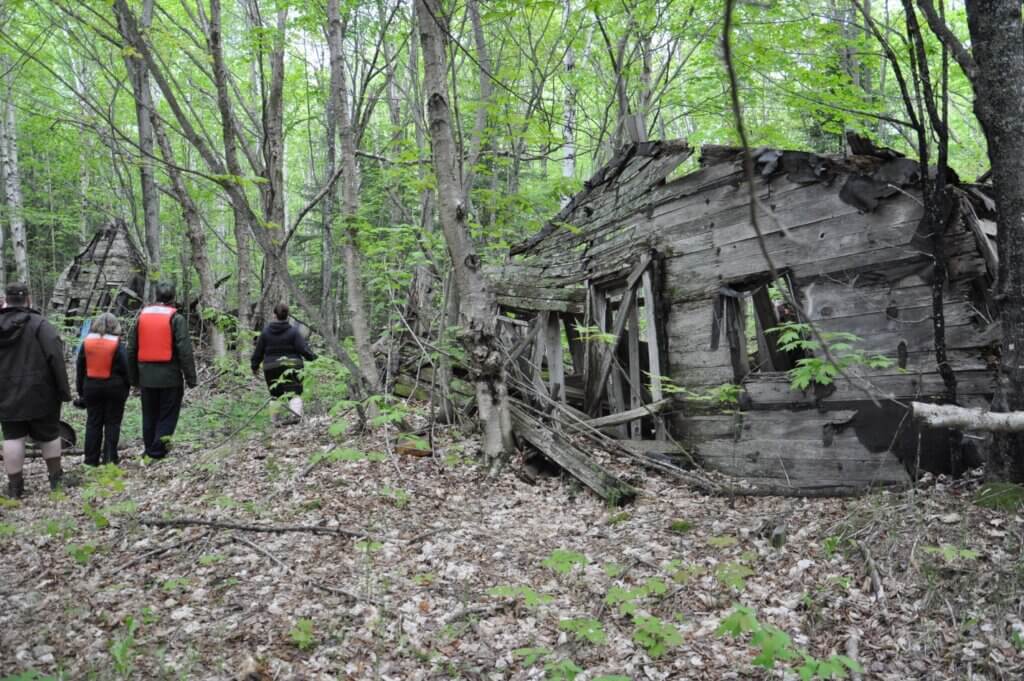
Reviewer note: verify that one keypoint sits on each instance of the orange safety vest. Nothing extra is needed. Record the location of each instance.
(99, 355)
(156, 340)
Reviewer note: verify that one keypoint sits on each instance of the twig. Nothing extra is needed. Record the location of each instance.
(307, 581)
(876, 581)
(230, 525)
(158, 550)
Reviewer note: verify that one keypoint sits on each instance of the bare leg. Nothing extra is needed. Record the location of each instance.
(14, 456)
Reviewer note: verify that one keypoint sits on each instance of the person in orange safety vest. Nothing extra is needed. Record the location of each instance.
(102, 383)
(160, 361)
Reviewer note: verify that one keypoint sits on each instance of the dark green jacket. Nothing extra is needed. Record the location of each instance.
(181, 369)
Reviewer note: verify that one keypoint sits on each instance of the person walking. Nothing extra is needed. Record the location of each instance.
(34, 382)
(102, 384)
(281, 349)
(161, 363)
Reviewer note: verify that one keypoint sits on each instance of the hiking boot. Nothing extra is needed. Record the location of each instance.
(15, 485)
(55, 472)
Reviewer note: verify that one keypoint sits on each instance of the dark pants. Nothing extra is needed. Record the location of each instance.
(104, 408)
(160, 409)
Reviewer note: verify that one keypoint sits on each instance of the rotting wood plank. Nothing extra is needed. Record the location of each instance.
(654, 345)
(627, 416)
(574, 460)
(635, 389)
(553, 350)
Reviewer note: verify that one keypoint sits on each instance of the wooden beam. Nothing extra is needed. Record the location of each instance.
(635, 386)
(607, 352)
(553, 349)
(960, 418)
(627, 416)
(653, 346)
(571, 458)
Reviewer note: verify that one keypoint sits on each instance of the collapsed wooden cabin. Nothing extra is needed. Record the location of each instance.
(107, 276)
(655, 281)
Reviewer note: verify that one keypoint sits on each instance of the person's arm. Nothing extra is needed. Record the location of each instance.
(302, 347)
(257, 353)
(53, 350)
(80, 372)
(121, 360)
(133, 355)
(183, 348)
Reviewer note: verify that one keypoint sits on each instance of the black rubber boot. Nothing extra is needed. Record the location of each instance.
(56, 473)
(15, 485)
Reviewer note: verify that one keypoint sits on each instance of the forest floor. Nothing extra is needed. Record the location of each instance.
(455, 576)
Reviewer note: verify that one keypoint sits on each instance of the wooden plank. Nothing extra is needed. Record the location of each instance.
(560, 450)
(653, 319)
(635, 388)
(553, 350)
(577, 348)
(627, 416)
(539, 351)
(593, 390)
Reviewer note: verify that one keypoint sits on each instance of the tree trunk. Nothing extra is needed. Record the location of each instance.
(209, 297)
(274, 288)
(138, 74)
(479, 310)
(569, 104)
(12, 176)
(484, 75)
(355, 291)
(998, 51)
(243, 283)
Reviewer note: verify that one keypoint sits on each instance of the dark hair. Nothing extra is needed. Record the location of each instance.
(16, 293)
(165, 292)
(281, 311)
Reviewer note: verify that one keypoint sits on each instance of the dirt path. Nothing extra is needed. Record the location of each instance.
(459, 577)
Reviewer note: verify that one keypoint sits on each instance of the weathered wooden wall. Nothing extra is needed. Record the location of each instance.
(853, 269)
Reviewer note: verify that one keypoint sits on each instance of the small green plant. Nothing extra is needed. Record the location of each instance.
(302, 634)
(561, 670)
(398, 496)
(655, 635)
(82, 553)
(831, 545)
(8, 530)
(951, 554)
(722, 542)
(594, 334)
(680, 526)
(563, 561)
(794, 336)
(1002, 496)
(9, 503)
(176, 583)
(29, 675)
(620, 517)
(775, 646)
(531, 598)
(209, 559)
(733, 575)
(613, 570)
(531, 655)
(627, 600)
(586, 629)
(122, 649)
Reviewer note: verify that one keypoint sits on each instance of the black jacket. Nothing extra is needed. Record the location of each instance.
(32, 370)
(280, 341)
(118, 372)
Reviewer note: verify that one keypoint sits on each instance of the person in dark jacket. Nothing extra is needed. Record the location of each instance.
(34, 382)
(102, 384)
(281, 349)
(160, 361)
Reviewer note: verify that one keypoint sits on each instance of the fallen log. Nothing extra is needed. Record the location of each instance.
(556, 447)
(962, 418)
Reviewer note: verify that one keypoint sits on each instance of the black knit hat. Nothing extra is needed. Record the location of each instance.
(17, 290)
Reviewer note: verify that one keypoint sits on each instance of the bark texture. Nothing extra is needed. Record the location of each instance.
(998, 52)
(479, 310)
(12, 177)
